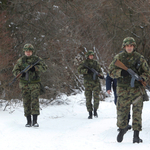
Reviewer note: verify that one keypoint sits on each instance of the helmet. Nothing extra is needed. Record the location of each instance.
(128, 41)
(28, 47)
(90, 52)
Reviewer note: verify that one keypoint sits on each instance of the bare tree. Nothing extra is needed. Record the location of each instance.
(61, 30)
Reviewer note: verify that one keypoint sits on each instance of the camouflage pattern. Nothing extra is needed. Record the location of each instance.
(23, 62)
(126, 97)
(126, 94)
(31, 87)
(133, 60)
(30, 94)
(129, 41)
(91, 86)
(90, 52)
(28, 47)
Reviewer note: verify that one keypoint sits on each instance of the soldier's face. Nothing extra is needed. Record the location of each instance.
(91, 56)
(28, 53)
(129, 48)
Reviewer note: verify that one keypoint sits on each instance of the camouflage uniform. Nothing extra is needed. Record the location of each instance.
(91, 86)
(126, 94)
(30, 87)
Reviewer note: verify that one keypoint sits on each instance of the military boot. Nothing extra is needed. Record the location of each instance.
(28, 121)
(136, 138)
(129, 127)
(95, 114)
(35, 124)
(121, 134)
(90, 115)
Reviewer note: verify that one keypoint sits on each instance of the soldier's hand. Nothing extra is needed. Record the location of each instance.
(109, 92)
(23, 75)
(32, 69)
(141, 82)
(89, 71)
(124, 73)
(101, 77)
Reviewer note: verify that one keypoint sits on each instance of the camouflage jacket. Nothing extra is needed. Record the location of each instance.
(134, 61)
(91, 64)
(33, 76)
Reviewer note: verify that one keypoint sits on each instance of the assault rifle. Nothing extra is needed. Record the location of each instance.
(95, 73)
(134, 76)
(24, 71)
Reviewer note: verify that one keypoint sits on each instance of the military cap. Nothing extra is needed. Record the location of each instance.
(90, 52)
(28, 47)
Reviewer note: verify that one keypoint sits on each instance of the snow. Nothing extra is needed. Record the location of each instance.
(66, 127)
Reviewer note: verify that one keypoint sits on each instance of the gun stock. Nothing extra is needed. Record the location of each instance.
(120, 65)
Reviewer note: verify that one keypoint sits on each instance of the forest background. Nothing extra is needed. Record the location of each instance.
(62, 31)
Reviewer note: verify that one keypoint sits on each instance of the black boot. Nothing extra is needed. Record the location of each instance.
(121, 134)
(129, 127)
(136, 138)
(90, 115)
(35, 124)
(95, 114)
(28, 121)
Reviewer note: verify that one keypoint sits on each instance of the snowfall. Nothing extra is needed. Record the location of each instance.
(66, 127)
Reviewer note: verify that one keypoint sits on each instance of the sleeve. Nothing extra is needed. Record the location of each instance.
(41, 66)
(82, 69)
(99, 69)
(17, 68)
(145, 69)
(114, 71)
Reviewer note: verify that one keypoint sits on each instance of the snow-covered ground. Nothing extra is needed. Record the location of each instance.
(66, 127)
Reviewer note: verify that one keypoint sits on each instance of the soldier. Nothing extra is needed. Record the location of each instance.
(128, 95)
(92, 86)
(30, 83)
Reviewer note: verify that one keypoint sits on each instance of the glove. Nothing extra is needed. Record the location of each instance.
(89, 71)
(124, 73)
(143, 80)
(23, 75)
(32, 69)
(140, 81)
(101, 77)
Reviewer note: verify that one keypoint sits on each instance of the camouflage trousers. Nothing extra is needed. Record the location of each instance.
(30, 94)
(127, 97)
(92, 88)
